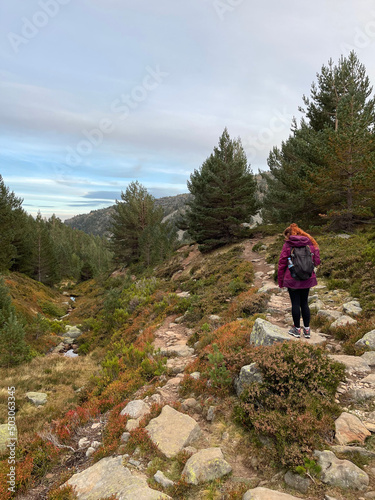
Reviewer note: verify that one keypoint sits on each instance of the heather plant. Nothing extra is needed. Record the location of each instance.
(219, 375)
(294, 406)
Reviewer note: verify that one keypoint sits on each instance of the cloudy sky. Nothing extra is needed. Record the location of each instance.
(97, 93)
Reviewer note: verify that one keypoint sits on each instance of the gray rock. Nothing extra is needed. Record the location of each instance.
(361, 393)
(161, 479)
(352, 449)
(265, 333)
(343, 321)
(205, 465)
(317, 305)
(183, 295)
(136, 409)
(248, 374)
(72, 332)
(343, 236)
(214, 318)
(368, 340)
(353, 364)
(297, 482)
(369, 357)
(83, 442)
(171, 431)
(109, 477)
(90, 451)
(370, 494)
(38, 398)
(341, 473)
(7, 436)
(267, 494)
(329, 314)
(269, 287)
(125, 437)
(195, 375)
(349, 429)
(211, 413)
(353, 308)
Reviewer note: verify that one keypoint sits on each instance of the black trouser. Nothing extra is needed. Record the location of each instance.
(299, 299)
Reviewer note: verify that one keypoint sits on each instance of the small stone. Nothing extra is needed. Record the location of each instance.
(297, 482)
(211, 413)
(96, 425)
(96, 444)
(90, 451)
(125, 437)
(161, 479)
(195, 375)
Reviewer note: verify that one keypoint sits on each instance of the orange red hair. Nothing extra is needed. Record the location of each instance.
(294, 230)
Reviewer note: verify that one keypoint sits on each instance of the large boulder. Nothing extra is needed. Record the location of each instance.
(349, 429)
(171, 431)
(297, 482)
(341, 473)
(136, 409)
(265, 333)
(109, 477)
(267, 494)
(368, 340)
(353, 364)
(7, 436)
(248, 374)
(205, 465)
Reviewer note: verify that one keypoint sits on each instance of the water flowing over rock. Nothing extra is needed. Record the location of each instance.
(109, 477)
(171, 431)
(341, 473)
(266, 333)
(205, 465)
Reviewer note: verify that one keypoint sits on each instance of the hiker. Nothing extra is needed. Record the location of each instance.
(298, 288)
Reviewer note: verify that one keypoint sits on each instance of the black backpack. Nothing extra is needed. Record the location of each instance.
(302, 261)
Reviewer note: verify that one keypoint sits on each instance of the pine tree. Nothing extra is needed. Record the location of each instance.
(224, 190)
(13, 348)
(10, 209)
(327, 164)
(134, 215)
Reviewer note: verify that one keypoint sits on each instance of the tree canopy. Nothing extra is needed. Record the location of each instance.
(224, 190)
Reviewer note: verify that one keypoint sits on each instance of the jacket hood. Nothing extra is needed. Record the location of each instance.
(298, 241)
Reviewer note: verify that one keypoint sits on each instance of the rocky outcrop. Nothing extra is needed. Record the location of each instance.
(369, 357)
(72, 332)
(341, 473)
(109, 477)
(205, 465)
(265, 333)
(297, 482)
(248, 374)
(368, 340)
(171, 431)
(343, 321)
(349, 429)
(353, 308)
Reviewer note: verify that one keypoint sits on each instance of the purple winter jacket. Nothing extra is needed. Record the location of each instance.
(284, 277)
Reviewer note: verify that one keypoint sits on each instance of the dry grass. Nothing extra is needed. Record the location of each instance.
(59, 377)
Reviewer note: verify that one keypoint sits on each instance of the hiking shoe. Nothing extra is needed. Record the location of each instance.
(296, 332)
(306, 332)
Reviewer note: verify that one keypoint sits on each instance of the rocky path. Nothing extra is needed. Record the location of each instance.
(196, 430)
